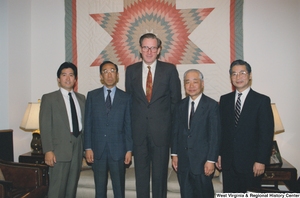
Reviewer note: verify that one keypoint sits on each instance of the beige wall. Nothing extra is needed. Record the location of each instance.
(32, 48)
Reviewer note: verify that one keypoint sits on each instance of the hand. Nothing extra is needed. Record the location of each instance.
(50, 158)
(258, 169)
(175, 162)
(209, 168)
(128, 157)
(218, 163)
(89, 156)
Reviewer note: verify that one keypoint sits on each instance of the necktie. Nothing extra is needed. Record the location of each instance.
(108, 102)
(237, 109)
(74, 116)
(149, 85)
(192, 113)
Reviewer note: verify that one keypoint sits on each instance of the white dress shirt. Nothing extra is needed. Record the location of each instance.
(65, 94)
(145, 73)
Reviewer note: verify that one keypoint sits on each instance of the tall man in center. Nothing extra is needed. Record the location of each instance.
(155, 89)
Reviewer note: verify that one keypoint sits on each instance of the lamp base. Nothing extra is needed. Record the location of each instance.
(36, 144)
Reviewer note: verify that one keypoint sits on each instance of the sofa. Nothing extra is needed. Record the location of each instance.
(86, 186)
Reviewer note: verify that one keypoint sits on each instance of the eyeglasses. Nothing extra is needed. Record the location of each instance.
(241, 74)
(106, 71)
(146, 49)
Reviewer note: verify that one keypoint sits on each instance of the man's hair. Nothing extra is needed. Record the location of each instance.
(152, 36)
(66, 65)
(106, 62)
(194, 70)
(240, 62)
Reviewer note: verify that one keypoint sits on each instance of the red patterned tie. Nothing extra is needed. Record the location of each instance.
(149, 84)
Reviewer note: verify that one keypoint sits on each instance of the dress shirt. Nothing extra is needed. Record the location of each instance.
(243, 97)
(112, 93)
(65, 94)
(145, 73)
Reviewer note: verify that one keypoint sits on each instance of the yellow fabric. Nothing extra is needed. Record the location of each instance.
(1, 176)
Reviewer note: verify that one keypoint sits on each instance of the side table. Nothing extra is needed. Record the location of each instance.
(285, 173)
(31, 158)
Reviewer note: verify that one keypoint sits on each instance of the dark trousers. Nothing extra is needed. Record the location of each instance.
(192, 186)
(148, 158)
(101, 167)
(235, 182)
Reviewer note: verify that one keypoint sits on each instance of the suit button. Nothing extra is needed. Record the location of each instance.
(185, 148)
(189, 136)
(104, 135)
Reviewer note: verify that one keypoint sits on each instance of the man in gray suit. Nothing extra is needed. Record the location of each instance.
(152, 108)
(107, 138)
(196, 139)
(61, 140)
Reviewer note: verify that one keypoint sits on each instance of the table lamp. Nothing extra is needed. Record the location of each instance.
(30, 123)
(278, 126)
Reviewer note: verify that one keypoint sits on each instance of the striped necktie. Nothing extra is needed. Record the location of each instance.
(237, 110)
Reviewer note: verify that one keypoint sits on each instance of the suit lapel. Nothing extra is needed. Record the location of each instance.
(199, 111)
(157, 78)
(61, 105)
(184, 112)
(246, 108)
(139, 82)
(116, 103)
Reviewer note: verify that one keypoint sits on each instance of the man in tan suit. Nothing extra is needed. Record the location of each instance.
(61, 140)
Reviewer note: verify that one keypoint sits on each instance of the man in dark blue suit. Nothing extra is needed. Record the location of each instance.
(196, 139)
(152, 110)
(107, 137)
(247, 132)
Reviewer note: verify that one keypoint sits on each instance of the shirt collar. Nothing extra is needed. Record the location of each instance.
(66, 92)
(113, 90)
(196, 100)
(244, 93)
(153, 65)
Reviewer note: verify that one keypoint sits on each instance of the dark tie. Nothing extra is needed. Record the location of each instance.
(108, 102)
(237, 109)
(192, 113)
(74, 116)
(149, 84)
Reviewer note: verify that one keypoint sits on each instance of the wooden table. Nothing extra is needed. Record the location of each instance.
(285, 173)
(32, 158)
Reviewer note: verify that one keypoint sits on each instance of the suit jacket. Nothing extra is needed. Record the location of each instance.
(155, 117)
(201, 142)
(113, 130)
(251, 140)
(54, 125)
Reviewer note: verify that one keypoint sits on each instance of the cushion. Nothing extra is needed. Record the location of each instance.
(1, 176)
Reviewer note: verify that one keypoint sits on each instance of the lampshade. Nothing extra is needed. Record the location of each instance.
(278, 126)
(30, 120)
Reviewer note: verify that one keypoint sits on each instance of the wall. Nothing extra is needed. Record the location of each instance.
(272, 46)
(3, 65)
(33, 38)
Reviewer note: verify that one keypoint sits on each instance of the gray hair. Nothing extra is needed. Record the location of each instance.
(194, 70)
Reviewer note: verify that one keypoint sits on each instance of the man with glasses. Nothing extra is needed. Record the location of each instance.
(155, 89)
(107, 137)
(247, 132)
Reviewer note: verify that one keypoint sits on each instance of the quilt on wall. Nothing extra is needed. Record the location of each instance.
(206, 35)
